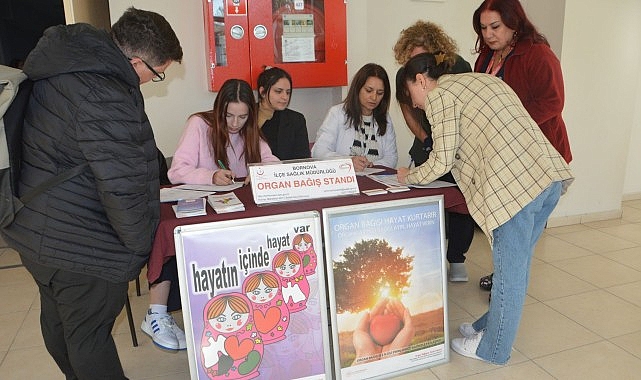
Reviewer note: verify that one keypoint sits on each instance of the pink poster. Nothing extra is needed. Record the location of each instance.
(253, 295)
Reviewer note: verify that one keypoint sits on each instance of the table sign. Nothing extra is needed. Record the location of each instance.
(387, 287)
(302, 179)
(254, 298)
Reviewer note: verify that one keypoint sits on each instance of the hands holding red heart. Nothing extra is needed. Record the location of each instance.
(385, 328)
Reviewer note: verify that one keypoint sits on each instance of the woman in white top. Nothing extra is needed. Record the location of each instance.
(361, 127)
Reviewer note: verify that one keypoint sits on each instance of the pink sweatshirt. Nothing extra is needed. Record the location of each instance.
(194, 162)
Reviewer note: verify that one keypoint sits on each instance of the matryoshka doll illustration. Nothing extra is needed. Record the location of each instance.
(288, 266)
(304, 245)
(300, 356)
(231, 347)
(271, 315)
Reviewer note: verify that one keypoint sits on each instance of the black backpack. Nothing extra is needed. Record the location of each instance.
(11, 123)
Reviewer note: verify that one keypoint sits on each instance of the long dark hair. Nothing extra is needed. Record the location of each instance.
(352, 105)
(268, 78)
(233, 91)
(513, 16)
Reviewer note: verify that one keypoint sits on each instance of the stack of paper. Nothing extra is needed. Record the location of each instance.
(228, 202)
(176, 193)
(190, 207)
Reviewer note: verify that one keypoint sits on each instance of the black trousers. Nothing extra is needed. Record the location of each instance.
(460, 234)
(77, 315)
(169, 272)
(460, 231)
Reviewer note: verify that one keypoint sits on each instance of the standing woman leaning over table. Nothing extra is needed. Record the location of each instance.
(215, 147)
(284, 129)
(361, 127)
(511, 177)
(511, 48)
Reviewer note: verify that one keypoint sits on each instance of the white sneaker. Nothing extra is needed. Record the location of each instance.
(467, 346)
(160, 328)
(458, 273)
(180, 335)
(467, 329)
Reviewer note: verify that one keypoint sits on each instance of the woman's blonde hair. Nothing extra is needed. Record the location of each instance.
(428, 35)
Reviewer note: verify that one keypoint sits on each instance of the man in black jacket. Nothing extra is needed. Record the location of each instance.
(85, 239)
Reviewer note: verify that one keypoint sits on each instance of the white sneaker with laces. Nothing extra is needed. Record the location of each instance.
(467, 346)
(180, 335)
(467, 329)
(458, 273)
(160, 328)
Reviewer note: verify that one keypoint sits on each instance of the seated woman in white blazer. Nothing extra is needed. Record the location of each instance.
(361, 127)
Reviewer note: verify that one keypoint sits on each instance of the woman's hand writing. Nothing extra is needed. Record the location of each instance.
(360, 163)
(223, 177)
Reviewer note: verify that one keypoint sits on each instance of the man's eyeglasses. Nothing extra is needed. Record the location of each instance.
(159, 77)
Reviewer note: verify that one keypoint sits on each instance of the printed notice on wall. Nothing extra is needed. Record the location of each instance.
(298, 38)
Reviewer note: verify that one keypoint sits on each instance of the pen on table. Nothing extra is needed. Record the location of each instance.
(222, 166)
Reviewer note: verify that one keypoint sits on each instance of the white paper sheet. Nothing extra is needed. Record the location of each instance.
(369, 171)
(176, 193)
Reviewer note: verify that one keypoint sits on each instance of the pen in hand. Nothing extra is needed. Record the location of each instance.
(222, 166)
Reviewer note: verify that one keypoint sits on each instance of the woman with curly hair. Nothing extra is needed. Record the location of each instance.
(428, 37)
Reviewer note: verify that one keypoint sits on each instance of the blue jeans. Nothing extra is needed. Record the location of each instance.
(512, 252)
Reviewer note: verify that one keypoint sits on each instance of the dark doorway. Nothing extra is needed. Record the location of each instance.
(22, 23)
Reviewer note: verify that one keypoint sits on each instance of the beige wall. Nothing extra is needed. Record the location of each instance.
(599, 50)
(601, 61)
(94, 12)
(632, 183)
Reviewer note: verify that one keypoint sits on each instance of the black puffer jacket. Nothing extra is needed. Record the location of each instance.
(86, 106)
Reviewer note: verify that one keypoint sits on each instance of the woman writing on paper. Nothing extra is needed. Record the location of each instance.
(217, 145)
(361, 127)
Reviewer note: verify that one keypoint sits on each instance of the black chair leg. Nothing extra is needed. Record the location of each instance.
(130, 318)
(138, 286)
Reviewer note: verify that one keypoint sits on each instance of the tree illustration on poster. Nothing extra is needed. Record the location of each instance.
(388, 269)
(385, 271)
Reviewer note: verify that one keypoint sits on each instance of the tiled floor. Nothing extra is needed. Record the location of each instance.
(582, 318)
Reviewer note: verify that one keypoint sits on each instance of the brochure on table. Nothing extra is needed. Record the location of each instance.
(387, 287)
(302, 179)
(254, 298)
